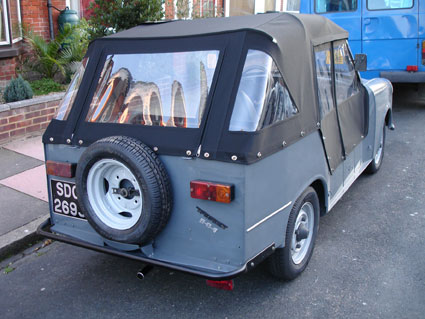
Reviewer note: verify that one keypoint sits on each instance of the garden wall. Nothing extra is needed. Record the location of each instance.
(28, 117)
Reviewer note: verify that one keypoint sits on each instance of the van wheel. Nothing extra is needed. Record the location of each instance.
(289, 262)
(376, 163)
(124, 190)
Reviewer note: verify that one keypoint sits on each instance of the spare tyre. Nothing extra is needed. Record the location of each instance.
(124, 190)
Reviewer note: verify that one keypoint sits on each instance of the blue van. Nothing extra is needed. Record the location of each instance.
(390, 32)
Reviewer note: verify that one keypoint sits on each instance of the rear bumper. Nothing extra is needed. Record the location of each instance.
(45, 231)
(404, 76)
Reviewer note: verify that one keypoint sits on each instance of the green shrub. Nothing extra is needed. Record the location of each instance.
(17, 90)
(113, 16)
(45, 86)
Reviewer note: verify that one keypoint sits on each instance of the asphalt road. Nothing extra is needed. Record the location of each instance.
(369, 260)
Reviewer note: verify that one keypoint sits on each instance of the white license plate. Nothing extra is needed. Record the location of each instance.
(64, 197)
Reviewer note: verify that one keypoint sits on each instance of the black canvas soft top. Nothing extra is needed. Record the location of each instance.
(318, 29)
(288, 38)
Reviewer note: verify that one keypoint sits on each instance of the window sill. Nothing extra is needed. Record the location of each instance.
(10, 51)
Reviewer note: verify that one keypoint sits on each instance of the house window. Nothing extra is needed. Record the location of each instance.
(244, 7)
(10, 26)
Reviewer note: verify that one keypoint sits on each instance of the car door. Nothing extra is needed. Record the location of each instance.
(329, 126)
(351, 108)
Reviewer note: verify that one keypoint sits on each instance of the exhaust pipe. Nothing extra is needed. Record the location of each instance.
(141, 274)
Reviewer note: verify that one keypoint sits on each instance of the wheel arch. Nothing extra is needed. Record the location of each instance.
(321, 189)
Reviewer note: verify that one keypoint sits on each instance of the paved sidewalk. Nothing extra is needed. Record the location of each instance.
(23, 193)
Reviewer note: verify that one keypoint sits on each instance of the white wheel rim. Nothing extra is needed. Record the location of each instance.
(378, 154)
(305, 220)
(116, 211)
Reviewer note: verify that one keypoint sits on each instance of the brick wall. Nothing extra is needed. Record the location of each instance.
(35, 15)
(27, 117)
(7, 69)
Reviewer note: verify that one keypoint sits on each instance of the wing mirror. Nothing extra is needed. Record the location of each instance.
(360, 62)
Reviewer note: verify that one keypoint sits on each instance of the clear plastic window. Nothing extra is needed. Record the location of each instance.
(324, 78)
(262, 97)
(324, 6)
(346, 81)
(68, 100)
(389, 4)
(158, 89)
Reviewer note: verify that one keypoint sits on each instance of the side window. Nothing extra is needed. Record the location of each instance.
(324, 78)
(325, 6)
(67, 102)
(262, 97)
(346, 81)
(389, 4)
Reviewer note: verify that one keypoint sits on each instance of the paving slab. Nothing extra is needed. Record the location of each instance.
(17, 209)
(32, 182)
(12, 163)
(32, 147)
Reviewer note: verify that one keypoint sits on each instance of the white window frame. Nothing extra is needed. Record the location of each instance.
(7, 26)
(259, 6)
(20, 22)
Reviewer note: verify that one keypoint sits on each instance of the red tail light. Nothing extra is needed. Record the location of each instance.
(412, 68)
(60, 169)
(223, 193)
(222, 284)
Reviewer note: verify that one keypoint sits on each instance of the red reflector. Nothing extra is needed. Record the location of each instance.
(221, 284)
(222, 193)
(60, 169)
(412, 68)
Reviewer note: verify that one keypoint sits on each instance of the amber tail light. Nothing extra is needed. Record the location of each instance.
(60, 169)
(223, 193)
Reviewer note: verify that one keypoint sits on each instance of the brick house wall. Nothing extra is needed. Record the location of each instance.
(34, 16)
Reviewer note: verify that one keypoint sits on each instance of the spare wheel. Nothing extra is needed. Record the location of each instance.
(124, 190)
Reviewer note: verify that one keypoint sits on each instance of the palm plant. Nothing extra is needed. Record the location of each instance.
(60, 54)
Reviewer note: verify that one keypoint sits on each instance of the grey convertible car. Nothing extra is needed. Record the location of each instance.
(208, 146)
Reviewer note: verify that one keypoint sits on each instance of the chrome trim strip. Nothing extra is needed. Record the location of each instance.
(268, 217)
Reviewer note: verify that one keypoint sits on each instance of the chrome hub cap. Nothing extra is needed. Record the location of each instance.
(303, 233)
(114, 194)
(378, 154)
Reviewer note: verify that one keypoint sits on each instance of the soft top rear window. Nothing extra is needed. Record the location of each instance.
(154, 89)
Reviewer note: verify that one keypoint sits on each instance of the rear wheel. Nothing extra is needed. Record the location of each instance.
(289, 262)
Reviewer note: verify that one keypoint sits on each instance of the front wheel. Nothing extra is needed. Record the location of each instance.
(289, 262)
(376, 163)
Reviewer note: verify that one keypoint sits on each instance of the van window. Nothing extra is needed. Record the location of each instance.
(262, 97)
(389, 4)
(346, 81)
(324, 6)
(324, 78)
(155, 89)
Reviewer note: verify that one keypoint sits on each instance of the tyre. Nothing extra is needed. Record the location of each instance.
(289, 262)
(376, 163)
(124, 190)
